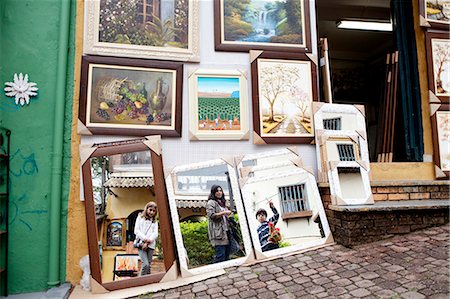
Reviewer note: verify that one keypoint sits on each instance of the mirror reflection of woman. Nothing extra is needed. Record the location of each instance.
(218, 224)
(146, 231)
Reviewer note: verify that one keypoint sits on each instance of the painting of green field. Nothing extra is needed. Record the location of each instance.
(218, 103)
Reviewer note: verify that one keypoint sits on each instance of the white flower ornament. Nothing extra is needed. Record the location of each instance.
(21, 89)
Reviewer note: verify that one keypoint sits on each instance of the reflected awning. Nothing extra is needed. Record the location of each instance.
(130, 182)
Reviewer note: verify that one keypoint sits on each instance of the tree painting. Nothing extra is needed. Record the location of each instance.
(441, 62)
(158, 23)
(285, 96)
(443, 125)
(264, 21)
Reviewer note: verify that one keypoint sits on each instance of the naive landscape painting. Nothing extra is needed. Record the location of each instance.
(130, 96)
(441, 66)
(438, 10)
(158, 23)
(218, 103)
(285, 97)
(443, 126)
(264, 21)
(114, 234)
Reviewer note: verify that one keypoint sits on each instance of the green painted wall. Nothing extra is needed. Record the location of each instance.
(29, 43)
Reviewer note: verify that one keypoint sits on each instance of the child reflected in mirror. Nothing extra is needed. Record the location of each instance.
(266, 228)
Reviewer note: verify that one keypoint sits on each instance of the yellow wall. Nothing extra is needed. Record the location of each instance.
(127, 201)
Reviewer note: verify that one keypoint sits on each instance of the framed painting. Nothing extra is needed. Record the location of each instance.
(122, 96)
(117, 198)
(438, 56)
(218, 105)
(115, 234)
(188, 188)
(435, 13)
(284, 85)
(281, 25)
(440, 124)
(151, 29)
(126, 266)
(290, 200)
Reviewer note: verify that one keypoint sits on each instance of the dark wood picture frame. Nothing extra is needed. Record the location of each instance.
(233, 46)
(436, 147)
(256, 97)
(174, 70)
(426, 22)
(166, 231)
(430, 36)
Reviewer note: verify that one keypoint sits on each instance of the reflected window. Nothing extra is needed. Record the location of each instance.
(199, 181)
(346, 152)
(293, 201)
(332, 123)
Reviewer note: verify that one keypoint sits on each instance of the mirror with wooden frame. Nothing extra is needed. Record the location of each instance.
(121, 180)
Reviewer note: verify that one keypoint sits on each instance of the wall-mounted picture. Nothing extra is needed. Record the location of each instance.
(126, 207)
(438, 56)
(130, 97)
(218, 105)
(262, 25)
(158, 29)
(283, 91)
(443, 130)
(115, 234)
(436, 13)
(208, 216)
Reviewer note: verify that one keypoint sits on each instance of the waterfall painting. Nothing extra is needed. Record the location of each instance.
(241, 25)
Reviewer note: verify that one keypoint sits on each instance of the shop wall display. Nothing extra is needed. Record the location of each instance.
(218, 105)
(102, 263)
(155, 29)
(301, 221)
(191, 184)
(435, 13)
(283, 89)
(440, 122)
(262, 25)
(438, 53)
(130, 97)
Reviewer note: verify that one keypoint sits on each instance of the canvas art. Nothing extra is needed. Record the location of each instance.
(218, 105)
(125, 265)
(114, 234)
(438, 11)
(125, 96)
(285, 92)
(163, 29)
(441, 65)
(443, 130)
(262, 24)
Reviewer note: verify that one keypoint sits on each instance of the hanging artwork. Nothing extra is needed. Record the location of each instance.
(218, 105)
(440, 124)
(158, 29)
(130, 97)
(283, 88)
(262, 25)
(21, 89)
(435, 13)
(115, 234)
(438, 53)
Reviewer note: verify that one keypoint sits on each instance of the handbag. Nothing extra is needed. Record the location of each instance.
(138, 243)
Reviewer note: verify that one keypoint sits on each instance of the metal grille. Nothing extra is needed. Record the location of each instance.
(293, 198)
(332, 124)
(346, 152)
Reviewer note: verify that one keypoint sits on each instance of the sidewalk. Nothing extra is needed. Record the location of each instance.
(411, 266)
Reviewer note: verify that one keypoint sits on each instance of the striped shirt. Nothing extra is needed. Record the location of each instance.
(263, 229)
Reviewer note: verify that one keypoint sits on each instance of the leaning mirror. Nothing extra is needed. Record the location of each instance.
(201, 232)
(129, 231)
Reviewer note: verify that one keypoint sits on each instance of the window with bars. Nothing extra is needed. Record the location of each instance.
(332, 123)
(346, 152)
(294, 203)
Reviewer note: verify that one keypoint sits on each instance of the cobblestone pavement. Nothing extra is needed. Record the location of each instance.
(408, 266)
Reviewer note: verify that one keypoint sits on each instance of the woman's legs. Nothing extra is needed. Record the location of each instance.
(146, 258)
(222, 253)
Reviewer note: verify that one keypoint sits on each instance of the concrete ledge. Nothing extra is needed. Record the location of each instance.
(394, 206)
(394, 183)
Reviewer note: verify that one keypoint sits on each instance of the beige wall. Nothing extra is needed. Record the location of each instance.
(127, 201)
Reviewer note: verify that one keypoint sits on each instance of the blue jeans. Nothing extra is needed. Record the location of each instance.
(222, 253)
(146, 258)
